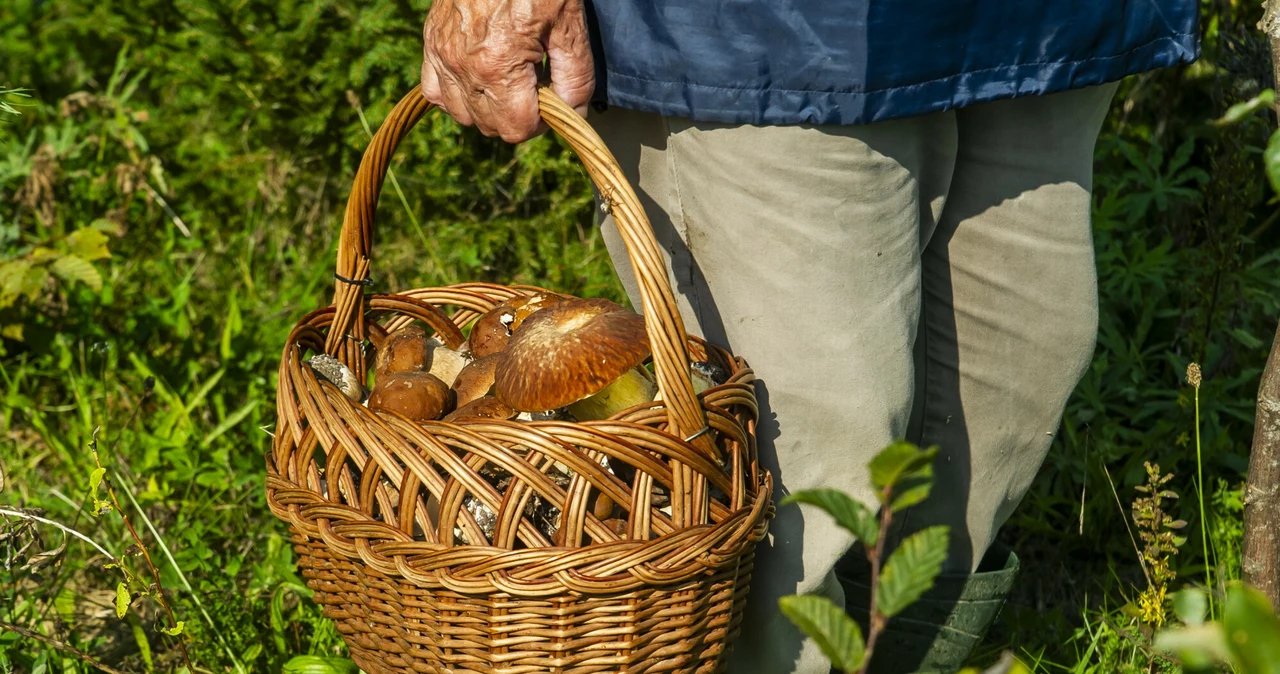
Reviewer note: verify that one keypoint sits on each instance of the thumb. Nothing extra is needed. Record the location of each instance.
(573, 76)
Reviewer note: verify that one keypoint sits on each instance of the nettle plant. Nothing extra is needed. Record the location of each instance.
(902, 475)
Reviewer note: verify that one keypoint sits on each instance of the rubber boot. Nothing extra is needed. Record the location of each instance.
(937, 633)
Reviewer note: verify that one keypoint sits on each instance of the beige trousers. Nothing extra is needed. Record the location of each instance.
(929, 278)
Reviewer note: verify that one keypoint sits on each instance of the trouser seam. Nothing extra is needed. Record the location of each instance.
(682, 230)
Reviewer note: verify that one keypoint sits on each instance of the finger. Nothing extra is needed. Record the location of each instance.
(513, 109)
(430, 83)
(482, 112)
(454, 101)
(573, 75)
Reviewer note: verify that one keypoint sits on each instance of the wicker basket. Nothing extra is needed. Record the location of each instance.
(406, 593)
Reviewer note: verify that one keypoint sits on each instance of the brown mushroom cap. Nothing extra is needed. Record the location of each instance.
(602, 507)
(405, 350)
(476, 379)
(567, 352)
(524, 306)
(487, 407)
(420, 396)
(491, 331)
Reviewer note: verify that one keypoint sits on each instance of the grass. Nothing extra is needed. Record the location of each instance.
(171, 193)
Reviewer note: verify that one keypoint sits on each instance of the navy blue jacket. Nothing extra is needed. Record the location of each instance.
(860, 61)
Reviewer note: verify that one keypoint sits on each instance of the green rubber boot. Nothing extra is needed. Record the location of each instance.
(936, 634)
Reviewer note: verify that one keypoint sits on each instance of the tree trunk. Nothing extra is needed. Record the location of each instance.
(1261, 553)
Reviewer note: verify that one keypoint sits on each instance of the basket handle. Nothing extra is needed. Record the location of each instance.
(667, 337)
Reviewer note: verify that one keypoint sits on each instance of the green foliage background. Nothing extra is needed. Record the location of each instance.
(238, 122)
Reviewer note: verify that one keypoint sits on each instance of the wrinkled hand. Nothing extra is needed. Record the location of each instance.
(481, 60)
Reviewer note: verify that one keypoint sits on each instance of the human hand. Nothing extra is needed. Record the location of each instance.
(481, 56)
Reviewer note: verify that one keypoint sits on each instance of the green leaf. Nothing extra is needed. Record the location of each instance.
(140, 638)
(176, 629)
(829, 626)
(1246, 338)
(901, 460)
(1271, 159)
(230, 328)
(12, 331)
(911, 569)
(1197, 646)
(13, 278)
(95, 479)
(911, 496)
(1253, 631)
(1241, 110)
(122, 599)
(1191, 606)
(847, 512)
(1007, 665)
(315, 664)
(88, 243)
(71, 268)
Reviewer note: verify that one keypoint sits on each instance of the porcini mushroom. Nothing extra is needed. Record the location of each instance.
(405, 350)
(476, 379)
(419, 396)
(487, 407)
(493, 329)
(525, 305)
(580, 354)
(333, 371)
(490, 332)
(445, 363)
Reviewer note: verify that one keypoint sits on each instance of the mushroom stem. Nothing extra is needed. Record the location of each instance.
(629, 390)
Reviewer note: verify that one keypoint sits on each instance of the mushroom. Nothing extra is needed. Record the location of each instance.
(476, 379)
(419, 396)
(491, 331)
(487, 407)
(707, 375)
(578, 353)
(445, 363)
(618, 526)
(525, 305)
(546, 415)
(602, 508)
(704, 375)
(333, 371)
(405, 350)
(494, 328)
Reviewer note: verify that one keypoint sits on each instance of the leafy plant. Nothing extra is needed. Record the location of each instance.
(902, 475)
(1157, 530)
(1247, 637)
(7, 108)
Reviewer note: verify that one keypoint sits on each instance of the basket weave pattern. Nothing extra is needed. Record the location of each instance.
(383, 510)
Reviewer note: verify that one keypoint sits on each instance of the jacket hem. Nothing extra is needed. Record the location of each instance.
(769, 106)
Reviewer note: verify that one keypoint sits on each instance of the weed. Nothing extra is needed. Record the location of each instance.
(1159, 543)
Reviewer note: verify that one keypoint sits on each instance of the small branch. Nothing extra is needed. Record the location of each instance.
(155, 573)
(65, 529)
(875, 621)
(60, 646)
